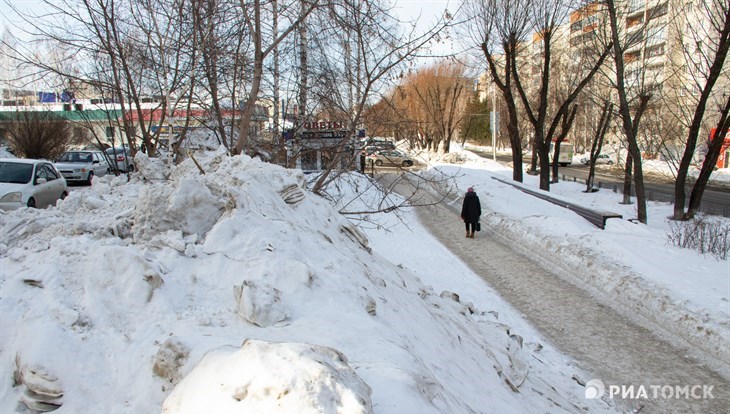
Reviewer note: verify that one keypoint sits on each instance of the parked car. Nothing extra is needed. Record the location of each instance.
(390, 157)
(602, 159)
(123, 158)
(82, 166)
(31, 183)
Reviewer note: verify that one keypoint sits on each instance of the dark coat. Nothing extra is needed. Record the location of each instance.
(472, 208)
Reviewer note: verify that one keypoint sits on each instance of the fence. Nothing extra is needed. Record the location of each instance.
(708, 207)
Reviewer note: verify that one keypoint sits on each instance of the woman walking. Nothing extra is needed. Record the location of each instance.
(471, 209)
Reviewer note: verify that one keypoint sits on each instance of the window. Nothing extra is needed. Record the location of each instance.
(636, 5)
(655, 51)
(657, 11)
(634, 38)
(47, 172)
(632, 57)
(656, 34)
(109, 131)
(577, 26)
(633, 21)
(309, 160)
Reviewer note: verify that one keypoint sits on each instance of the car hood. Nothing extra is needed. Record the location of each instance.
(6, 188)
(71, 165)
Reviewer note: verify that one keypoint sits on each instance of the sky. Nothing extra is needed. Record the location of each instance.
(242, 290)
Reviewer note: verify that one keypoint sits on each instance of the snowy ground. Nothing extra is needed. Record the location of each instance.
(239, 289)
(679, 293)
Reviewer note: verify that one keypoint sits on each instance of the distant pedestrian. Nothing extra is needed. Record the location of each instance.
(471, 209)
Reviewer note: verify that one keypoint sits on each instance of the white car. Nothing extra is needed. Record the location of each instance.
(602, 159)
(82, 166)
(31, 183)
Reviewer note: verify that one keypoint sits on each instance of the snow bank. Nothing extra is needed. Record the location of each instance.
(263, 377)
(131, 295)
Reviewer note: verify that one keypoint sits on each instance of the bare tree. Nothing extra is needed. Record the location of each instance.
(362, 53)
(707, 50)
(499, 28)
(259, 31)
(548, 125)
(434, 98)
(630, 121)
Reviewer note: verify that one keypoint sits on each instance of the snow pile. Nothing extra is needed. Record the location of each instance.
(628, 266)
(130, 290)
(263, 377)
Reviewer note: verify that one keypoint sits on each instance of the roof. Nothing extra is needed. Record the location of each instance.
(22, 160)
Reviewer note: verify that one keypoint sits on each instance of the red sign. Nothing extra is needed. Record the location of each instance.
(722, 160)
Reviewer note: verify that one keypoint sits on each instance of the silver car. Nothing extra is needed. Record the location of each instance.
(82, 166)
(123, 158)
(31, 183)
(390, 157)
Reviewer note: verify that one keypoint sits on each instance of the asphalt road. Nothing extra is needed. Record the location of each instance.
(715, 200)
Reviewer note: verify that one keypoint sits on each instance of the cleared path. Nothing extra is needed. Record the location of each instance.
(603, 343)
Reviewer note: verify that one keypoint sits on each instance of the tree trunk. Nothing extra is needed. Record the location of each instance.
(630, 125)
(303, 66)
(565, 124)
(597, 144)
(714, 147)
(628, 169)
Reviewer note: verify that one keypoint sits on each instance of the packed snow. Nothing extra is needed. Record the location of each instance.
(680, 294)
(240, 291)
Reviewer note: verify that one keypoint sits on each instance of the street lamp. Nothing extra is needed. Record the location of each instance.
(493, 121)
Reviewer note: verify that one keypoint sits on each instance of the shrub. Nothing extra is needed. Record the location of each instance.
(39, 135)
(703, 234)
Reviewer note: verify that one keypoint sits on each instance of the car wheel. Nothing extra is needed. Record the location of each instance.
(31, 202)
(406, 163)
(378, 163)
(610, 163)
(130, 168)
(91, 177)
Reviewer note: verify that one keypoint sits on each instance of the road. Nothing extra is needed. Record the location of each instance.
(601, 341)
(715, 200)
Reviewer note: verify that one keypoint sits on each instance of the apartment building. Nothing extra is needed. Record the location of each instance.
(664, 40)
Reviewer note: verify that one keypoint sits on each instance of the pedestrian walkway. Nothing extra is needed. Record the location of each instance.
(603, 343)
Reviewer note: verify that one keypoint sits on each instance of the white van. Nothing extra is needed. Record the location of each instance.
(566, 153)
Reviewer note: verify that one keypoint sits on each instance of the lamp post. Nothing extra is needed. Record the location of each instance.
(493, 122)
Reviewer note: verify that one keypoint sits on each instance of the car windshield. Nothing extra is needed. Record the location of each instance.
(75, 157)
(15, 172)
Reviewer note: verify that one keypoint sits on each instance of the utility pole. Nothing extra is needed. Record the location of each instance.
(493, 121)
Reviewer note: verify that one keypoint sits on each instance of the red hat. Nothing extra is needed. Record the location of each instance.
(470, 190)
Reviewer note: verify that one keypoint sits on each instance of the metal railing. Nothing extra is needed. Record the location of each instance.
(596, 217)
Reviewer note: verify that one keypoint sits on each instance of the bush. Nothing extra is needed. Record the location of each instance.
(41, 135)
(703, 234)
